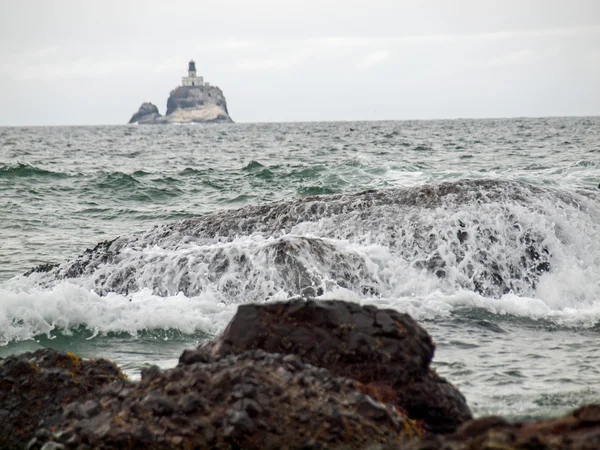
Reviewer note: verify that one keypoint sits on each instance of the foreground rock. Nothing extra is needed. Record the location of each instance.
(578, 430)
(386, 350)
(300, 374)
(253, 401)
(35, 387)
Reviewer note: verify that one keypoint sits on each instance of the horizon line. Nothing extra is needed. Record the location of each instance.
(312, 121)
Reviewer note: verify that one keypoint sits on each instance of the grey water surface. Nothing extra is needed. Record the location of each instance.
(486, 231)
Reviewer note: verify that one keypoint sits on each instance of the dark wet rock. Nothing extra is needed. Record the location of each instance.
(42, 268)
(87, 262)
(147, 113)
(491, 253)
(88, 259)
(385, 350)
(305, 265)
(36, 387)
(578, 430)
(234, 394)
(254, 400)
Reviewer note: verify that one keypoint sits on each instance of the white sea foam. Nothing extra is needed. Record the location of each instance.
(427, 260)
(26, 313)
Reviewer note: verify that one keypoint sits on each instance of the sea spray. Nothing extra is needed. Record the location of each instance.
(505, 246)
(502, 269)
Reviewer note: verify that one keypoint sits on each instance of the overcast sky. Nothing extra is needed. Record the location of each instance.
(69, 62)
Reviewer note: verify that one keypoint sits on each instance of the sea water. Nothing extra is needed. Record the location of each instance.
(485, 231)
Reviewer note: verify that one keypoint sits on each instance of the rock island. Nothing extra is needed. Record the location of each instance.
(195, 101)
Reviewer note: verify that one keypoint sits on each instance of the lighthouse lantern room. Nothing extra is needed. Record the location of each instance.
(192, 79)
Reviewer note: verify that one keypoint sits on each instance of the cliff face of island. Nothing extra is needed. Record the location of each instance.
(187, 104)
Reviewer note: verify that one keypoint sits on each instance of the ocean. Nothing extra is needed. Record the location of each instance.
(485, 231)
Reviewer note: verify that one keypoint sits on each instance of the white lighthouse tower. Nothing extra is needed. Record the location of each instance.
(192, 79)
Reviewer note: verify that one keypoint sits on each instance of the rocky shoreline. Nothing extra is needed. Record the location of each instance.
(298, 374)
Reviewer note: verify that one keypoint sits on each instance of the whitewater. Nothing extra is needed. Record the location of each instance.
(133, 242)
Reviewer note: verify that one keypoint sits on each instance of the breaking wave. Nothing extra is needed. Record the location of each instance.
(505, 246)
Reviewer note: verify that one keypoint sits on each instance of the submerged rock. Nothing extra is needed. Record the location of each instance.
(36, 387)
(491, 253)
(433, 230)
(385, 350)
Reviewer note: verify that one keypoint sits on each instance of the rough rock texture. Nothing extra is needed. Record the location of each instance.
(206, 113)
(578, 430)
(399, 217)
(190, 97)
(384, 349)
(187, 104)
(34, 387)
(221, 396)
(253, 401)
(147, 113)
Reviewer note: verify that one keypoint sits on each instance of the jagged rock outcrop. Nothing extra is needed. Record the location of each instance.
(35, 387)
(579, 430)
(319, 374)
(382, 348)
(222, 396)
(147, 113)
(187, 104)
(255, 400)
(190, 97)
(493, 253)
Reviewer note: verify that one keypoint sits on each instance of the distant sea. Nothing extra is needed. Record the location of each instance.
(486, 231)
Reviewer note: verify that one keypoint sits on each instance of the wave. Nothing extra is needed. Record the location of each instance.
(117, 180)
(21, 170)
(67, 308)
(27, 313)
(505, 246)
(139, 186)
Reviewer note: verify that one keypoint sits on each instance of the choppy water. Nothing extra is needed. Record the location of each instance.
(487, 231)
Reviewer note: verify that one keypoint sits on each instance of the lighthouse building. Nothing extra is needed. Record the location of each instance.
(192, 79)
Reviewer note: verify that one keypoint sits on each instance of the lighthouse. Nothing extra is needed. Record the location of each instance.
(192, 79)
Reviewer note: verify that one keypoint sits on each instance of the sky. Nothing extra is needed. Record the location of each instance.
(74, 62)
